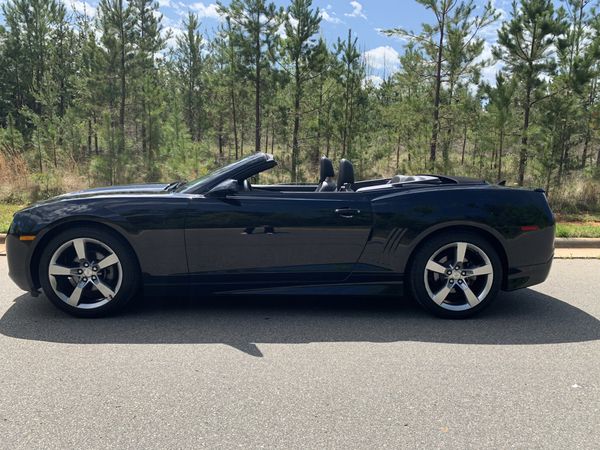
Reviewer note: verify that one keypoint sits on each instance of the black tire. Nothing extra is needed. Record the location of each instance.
(129, 284)
(417, 275)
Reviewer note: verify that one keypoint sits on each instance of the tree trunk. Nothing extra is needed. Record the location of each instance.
(317, 155)
(221, 153)
(438, 87)
(272, 139)
(564, 156)
(464, 146)
(242, 142)
(257, 94)
(524, 138)
(121, 147)
(345, 130)
(232, 93)
(89, 138)
(500, 150)
(235, 125)
(586, 143)
(398, 150)
(96, 150)
(295, 149)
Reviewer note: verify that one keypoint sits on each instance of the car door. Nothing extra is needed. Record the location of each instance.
(276, 237)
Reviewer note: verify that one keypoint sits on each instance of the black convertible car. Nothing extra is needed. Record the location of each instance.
(451, 242)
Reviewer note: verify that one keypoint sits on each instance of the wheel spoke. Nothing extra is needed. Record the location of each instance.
(56, 269)
(442, 294)
(79, 245)
(461, 249)
(105, 289)
(483, 270)
(435, 267)
(108, 261)
(470, 295)
(73, 299)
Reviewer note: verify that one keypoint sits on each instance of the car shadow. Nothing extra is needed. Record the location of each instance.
(516, 318)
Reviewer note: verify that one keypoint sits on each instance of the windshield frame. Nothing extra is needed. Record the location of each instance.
(237, 170)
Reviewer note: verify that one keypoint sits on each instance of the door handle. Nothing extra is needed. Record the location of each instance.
(347, 213)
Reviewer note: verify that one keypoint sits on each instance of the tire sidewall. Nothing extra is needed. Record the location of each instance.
(422, 255)
(129, 266)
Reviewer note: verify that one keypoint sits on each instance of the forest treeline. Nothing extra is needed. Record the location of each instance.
(115, 97)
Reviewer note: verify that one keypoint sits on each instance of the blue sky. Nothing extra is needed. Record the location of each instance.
(364, 17)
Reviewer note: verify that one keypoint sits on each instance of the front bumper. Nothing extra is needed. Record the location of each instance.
(18, 254)
(525, 276)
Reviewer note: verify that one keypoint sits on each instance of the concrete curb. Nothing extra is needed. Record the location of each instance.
(577, 243)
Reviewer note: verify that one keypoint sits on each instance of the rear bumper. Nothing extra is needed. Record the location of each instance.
(18, 255)
(525, 276)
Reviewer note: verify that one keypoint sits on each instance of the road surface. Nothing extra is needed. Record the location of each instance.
(306, 373)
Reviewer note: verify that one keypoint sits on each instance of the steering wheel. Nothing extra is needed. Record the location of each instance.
(247, 186)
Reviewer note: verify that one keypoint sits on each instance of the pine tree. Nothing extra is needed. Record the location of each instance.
(256, 21)
(116, 27)
(500, 105)
(525, 44)
(301, 25)
(189, 65)
(148, 43)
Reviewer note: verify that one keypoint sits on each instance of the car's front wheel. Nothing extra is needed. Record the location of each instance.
(88, 272)
(455, 275)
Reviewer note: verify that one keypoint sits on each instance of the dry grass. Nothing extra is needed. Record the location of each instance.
(577, 197)
(18, 185)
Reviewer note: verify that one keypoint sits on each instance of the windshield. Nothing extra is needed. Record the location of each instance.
(210, 177)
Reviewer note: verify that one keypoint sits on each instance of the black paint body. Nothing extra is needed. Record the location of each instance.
(288, 238)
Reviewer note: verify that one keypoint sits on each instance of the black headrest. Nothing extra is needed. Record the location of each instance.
(325, 169)
(346, 174)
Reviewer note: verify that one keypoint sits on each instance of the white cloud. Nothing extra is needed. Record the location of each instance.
(293, 21)
(172, 33)
(281, 30)
(82, 7)
(202, 10)
(374, 80)
(384, 57)
(331, 18)
(164, 3)
(357, 10)
(488, 73)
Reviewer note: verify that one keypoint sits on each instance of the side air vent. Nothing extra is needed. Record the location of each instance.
(393, 240)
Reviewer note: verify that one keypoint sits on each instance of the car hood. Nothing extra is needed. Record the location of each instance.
(130, 189)
(143, 188)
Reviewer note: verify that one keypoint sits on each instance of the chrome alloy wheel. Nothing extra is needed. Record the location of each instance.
(85, 273)
(458, 276)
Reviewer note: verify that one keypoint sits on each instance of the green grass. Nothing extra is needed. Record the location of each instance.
(6, 212)
(576, 230)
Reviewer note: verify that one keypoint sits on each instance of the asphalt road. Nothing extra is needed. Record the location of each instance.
(309, 373)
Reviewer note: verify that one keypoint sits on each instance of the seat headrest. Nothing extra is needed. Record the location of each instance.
(346, 174)
(325, 169)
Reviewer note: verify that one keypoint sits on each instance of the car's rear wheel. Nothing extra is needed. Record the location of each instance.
(88, 272)
(456, 275)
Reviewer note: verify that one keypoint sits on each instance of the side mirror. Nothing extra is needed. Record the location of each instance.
(224, 188)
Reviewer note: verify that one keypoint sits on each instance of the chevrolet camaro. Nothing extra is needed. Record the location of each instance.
(452, 243)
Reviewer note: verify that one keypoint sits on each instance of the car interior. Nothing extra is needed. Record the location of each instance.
(344, 182)
(249, 169)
